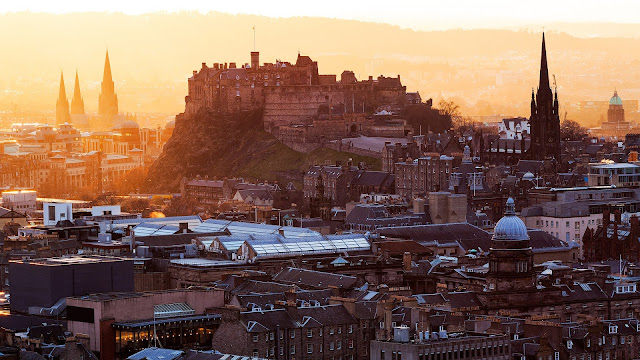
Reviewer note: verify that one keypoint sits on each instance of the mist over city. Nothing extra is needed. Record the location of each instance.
(347, 181)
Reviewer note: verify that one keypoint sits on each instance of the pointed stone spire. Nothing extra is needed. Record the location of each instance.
(108, 100)
(77, 104)
(62, 105)
(106, 77)
(544, 71)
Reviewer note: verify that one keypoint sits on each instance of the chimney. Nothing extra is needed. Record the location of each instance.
(291, 296)
(216, 66)
(255, 59)
(618, 217)
(204, 65)
(229, 313)
(406, 261)
(606, 218)
(232, 65)
(183, 227)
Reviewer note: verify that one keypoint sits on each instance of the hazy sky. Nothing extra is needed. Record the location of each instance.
(416, 14)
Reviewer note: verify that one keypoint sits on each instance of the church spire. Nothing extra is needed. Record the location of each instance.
(77, 104)
(108, 100)
(544, 71)
(106, 77)
(62, 94)
(62, 105)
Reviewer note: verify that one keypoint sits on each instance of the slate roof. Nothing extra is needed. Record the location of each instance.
(582, 292)
(154, 353)
(260, 287)
(8, 213)
(314, 279)
(541, 240)
(532, 166)
(399, 247)
(373, 178)
(465, 235)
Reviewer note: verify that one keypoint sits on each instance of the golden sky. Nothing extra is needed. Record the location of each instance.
(154, 50)
(415, 14)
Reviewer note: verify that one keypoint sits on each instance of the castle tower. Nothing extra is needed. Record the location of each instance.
(77, 104)
(108, 100)
(510, 256)
(545, 120)
(62, 105)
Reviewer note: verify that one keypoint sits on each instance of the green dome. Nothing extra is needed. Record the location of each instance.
(615, 99)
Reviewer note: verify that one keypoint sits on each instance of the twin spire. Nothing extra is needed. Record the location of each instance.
(63, 113)
(108, 101)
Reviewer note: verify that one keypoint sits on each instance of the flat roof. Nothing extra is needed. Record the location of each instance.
(615, 165)
(127, 295)
(151, 322)
(71, 260)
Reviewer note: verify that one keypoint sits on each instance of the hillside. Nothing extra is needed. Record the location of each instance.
(229, 145)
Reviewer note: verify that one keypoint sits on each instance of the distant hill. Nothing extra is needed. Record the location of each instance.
(234, 145)
(152, 55)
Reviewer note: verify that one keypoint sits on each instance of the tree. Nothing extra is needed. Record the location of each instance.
(452, 110)
(422, 116)
(572, 130)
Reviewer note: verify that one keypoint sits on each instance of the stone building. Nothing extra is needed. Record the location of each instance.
(612, 240)
(423, 175)
(292, 94)
(289, 332)
(545, 119)
(510, 256)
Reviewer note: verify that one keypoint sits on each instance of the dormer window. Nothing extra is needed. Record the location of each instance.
(569, 344)
(613, 329)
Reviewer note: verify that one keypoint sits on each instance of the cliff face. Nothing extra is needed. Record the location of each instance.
(233, 145)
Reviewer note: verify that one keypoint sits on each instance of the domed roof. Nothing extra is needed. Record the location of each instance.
(128, 124)
(615, 99)
(528, 176)
(510, 227)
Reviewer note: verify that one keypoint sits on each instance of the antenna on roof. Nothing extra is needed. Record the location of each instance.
(254, 38)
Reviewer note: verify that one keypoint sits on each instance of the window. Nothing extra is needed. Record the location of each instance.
(255, 353)
(331, 346)
(292, 349)
(382, 355)
(309, 348)
(293, 334)
(339, 345)
(271, 336)
(350, 329)
(281, 350)
(330, 331)
(310, 333)
(255, 338)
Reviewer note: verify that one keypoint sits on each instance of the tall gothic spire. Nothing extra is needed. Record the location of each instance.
(106, 77)
(544, 71)
(108, 100)
(545, 121)
(77, 104)
(62, 105)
